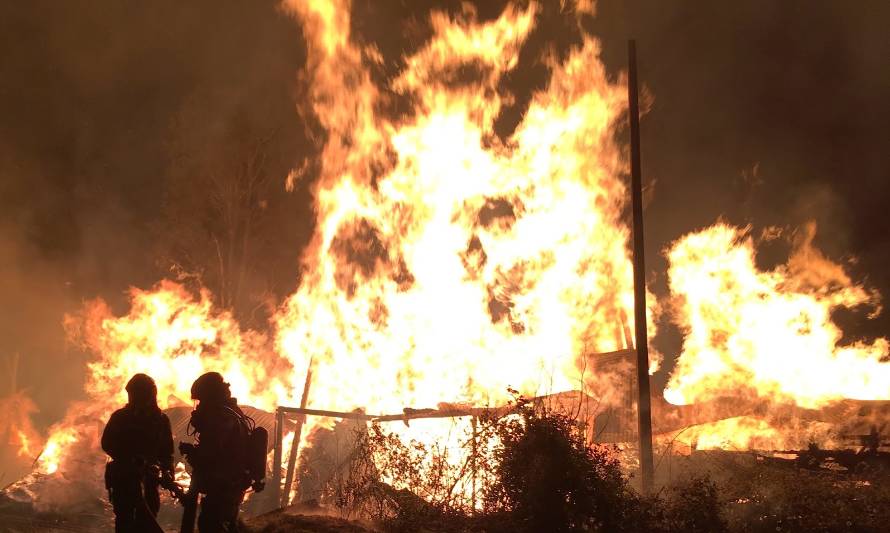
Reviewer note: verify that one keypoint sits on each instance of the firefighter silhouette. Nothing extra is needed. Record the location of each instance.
(139, 441)
(221, 429)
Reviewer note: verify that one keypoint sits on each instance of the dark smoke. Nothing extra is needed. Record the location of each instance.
(768, 113)
(113, 120)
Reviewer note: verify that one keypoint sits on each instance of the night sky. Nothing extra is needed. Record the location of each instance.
(764, 113)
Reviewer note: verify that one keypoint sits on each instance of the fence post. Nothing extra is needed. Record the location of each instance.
(276, 456)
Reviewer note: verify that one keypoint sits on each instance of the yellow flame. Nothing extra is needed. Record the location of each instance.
(53, 452)
(174, 337)
(447, 265)
(768, 334)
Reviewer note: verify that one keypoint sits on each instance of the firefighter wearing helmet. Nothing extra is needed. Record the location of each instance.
(139, 441)
(220, 428)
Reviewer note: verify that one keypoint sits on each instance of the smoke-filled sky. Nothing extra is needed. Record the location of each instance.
(114, 116)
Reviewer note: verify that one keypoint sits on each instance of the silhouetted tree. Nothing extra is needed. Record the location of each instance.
(228, 223)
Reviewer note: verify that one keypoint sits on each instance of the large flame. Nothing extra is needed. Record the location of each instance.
(768, 334)
(174, 337)
(449, 264)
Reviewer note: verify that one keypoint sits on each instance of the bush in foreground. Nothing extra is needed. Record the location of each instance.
(546, 477)
(535, 471)
(531, 471)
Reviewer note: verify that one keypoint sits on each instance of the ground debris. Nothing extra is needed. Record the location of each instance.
(21, 517)
(284, 520)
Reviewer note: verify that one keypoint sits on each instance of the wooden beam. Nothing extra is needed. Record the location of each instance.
(325, 413)
(295, 445)
(409, 414)
(276, 457)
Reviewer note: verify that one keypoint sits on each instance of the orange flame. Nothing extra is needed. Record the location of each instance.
(768, 334)
(174, 337)
(447, 264)
(15, 422)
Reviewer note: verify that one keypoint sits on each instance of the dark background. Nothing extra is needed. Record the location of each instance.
(117, 121)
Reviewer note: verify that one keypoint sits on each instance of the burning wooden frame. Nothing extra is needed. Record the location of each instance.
(282, 497)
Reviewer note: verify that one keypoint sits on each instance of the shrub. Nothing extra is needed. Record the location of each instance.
(548, 478)
(693, 505)
(531, 471)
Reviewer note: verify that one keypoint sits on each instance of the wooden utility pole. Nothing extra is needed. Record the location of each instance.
(644, 408)
(276, 457)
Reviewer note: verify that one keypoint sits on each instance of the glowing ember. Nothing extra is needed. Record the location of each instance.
(181, 475)
(739, 433)
(749, 433)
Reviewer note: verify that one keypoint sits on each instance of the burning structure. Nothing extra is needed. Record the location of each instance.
(451, 262)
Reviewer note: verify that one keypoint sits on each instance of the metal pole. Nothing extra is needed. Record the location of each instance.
(644, 408)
